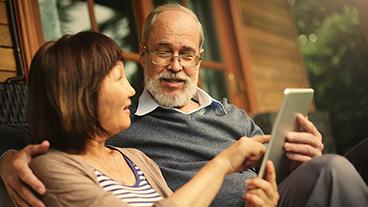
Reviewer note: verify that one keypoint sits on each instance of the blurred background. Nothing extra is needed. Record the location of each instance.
(253, 50)
(333, 38)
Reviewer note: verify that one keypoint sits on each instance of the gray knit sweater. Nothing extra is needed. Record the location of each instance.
(182, 143)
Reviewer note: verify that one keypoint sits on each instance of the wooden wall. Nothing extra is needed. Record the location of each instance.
(275, 59)
(362, 6)
(7, 59)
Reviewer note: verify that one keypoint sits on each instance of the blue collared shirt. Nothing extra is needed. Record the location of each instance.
(147, 104)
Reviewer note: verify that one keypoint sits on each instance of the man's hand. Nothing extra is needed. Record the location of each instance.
(18, 177)
(262, 192)
(303, 145)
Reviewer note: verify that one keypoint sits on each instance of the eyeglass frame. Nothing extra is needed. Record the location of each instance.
(198, 58)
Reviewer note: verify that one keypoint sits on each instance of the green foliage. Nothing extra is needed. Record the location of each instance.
(310, 13)
(337, 62)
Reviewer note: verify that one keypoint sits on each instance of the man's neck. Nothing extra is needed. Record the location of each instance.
(189, 106)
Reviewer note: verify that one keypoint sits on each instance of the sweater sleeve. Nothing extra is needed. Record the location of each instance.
(241, 119)
(250, 128)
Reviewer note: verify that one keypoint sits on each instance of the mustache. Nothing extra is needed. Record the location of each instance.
(174, 76)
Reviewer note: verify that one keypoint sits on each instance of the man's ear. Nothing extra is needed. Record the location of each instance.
(142, 53)
(201, 52)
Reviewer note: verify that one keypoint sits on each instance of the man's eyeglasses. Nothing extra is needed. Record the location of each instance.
(164, 58)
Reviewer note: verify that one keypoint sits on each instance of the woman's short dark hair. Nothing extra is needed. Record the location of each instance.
(64, 81)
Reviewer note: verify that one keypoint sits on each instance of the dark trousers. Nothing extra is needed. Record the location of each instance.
(358, 156)
(326, 181)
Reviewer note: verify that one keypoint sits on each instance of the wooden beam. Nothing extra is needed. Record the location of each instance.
(131, 56)
(226, 50)
(92, 15)
(7, 59)
(143, 8)
(244, 56)
(4, 75)
(5, 37)
(29, 29)
(212, 65)
(3, 13)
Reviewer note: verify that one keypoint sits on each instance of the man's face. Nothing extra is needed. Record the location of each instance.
(177, 33)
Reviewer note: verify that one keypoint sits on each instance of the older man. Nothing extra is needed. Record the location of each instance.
(181, 127)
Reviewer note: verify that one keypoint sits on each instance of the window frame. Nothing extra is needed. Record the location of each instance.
(236, 66)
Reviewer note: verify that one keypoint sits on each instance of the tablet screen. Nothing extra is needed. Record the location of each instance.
(296, 100)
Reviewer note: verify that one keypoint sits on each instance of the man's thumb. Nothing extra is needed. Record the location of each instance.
(36, 149)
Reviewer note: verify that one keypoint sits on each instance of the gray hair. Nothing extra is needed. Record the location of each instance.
(152, 17)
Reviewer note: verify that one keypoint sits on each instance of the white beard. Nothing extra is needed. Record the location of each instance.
(168, 100)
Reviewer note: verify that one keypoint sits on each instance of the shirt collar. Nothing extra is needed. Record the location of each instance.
(147, 104)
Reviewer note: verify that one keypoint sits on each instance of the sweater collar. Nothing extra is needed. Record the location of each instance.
(147, 103)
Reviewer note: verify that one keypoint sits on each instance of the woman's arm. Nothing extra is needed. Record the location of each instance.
(70, 183)
(203, 187)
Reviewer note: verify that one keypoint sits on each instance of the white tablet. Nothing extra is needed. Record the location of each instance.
(296, 100)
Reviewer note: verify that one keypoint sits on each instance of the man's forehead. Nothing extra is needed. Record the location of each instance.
(171, 46)
(178, 16)
(171, 36)
(179, 32)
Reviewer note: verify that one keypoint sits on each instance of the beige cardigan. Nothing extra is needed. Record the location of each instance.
(70, 182)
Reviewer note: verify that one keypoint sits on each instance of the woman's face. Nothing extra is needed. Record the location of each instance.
(114, 100)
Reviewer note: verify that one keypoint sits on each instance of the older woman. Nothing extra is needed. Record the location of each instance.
(79, 97)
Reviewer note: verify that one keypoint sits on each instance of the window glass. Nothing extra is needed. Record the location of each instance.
(61, 17)
(213, 82)
(115, 19)
(161, 2)
(204, 12)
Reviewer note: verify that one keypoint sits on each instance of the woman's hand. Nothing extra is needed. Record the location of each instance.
(203, 187)
(243, 154)
(260, 192)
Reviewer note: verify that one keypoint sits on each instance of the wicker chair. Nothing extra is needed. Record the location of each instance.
(13, 123)
(13, 104)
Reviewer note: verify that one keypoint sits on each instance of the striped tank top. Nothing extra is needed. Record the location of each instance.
(140, 194)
